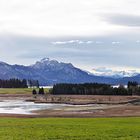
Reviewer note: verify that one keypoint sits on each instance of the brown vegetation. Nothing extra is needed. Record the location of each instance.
(92, 106)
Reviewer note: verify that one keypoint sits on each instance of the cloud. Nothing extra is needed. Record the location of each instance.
(73, 41)
(26, 50)
(99, 42)
(138, 41)
(115, 42)
(89, 42)
(123, 20)
(59, 42)
(53, 18)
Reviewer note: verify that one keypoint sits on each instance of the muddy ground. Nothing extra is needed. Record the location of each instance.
(91, 106)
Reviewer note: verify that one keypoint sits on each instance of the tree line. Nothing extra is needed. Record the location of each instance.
(13, 83)
(17, 83)
(96, 89)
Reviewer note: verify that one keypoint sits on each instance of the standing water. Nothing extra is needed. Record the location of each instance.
(23, 107)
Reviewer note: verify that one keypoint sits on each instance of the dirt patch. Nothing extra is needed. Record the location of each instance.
(110, 111)
(85, 99)
(15, 96)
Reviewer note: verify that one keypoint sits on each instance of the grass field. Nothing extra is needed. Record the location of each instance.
(70, 129)
(18, 90)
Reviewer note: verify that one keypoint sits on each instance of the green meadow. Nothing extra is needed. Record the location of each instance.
(70, 129)
(18, 90)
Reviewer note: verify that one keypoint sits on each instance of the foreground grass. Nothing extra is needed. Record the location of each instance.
(18, 90)
(70, 129)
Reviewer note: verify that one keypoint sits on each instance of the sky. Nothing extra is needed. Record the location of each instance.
(87, 33)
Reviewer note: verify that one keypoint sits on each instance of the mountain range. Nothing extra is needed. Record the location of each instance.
(106, 72)
(50, 72)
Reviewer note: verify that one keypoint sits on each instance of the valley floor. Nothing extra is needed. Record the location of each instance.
(86, 106)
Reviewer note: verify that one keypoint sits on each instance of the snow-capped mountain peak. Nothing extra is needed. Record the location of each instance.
(45, 59)
(106, 72)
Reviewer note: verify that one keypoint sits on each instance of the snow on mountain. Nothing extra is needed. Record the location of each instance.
(50, 72)
(106, 72)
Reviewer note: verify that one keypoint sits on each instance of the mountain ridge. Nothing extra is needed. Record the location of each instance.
(50, 72)
(107, 72)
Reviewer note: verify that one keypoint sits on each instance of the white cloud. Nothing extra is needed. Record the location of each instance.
(59, 42)
(62, 17)
(89, 42)
(62, 22)
(81, 42)
(138, 41)
(72, 41)
(115, 42)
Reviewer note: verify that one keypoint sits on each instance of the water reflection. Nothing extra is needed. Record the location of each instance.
(23, 107)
